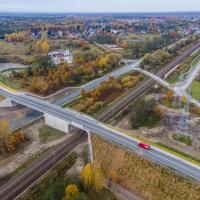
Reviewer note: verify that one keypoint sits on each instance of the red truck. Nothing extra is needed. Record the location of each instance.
(144, 146)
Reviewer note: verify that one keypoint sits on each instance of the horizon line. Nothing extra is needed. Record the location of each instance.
(96, 12)
(175, 11)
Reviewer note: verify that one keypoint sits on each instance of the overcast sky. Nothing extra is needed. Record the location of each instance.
(99, 5)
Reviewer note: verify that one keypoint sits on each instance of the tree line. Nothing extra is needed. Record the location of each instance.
(46, 78)
(21, 36)
(159, 58)
(9, 142)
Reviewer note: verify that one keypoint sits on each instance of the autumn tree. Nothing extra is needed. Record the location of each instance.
(83, 93)
(169, 95)
(160, 111)
(103, 62)
(17, 37)
(43, 46)
(71, 192)
(98, 177)
(8, 141)
(92, 176)
(183, 100)
(87, 176)
(4, 134)
(14, 140)
(112, 176)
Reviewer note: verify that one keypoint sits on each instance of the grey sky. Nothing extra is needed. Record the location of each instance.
(99, 5)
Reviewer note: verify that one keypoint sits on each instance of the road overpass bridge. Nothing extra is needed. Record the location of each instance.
(91, 125)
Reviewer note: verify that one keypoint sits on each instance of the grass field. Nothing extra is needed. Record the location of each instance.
(184, 67)
(149, 180)
(14, 83)
(195, 90)
(47, 134)
(63, 44)
(16, 52)
(182, 138)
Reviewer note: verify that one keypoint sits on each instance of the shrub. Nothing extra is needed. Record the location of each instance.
(144, 114)
(182, 138)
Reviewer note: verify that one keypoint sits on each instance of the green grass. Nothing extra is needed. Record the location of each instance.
(166, 103)
(51, 186)
(182, 138)
(16, 52)
(162, 146)
(151, 123)
(184, 67)
(169, 149)
(47, 134)
(173, 78)
(195, 89)
(196, 61)
(17, 48)
(14, 83)
(71, 103)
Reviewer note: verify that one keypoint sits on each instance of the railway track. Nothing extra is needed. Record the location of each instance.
(13, 188)
(144, 86)
(18, 184)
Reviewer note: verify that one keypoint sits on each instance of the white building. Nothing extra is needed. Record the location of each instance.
(59, 56)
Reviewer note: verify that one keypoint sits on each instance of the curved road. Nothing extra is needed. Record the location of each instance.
(9, 66)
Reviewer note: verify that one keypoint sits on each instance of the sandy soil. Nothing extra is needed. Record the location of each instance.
(13, 113)
(164, 133)
(9, 164)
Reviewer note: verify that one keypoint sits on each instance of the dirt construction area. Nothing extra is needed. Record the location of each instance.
(163, 133)
(14, 113)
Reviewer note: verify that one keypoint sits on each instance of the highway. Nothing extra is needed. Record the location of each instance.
(89, 124)
(18, 184)
(117, 73)
(69, 97)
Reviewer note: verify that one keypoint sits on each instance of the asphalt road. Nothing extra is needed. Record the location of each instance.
(92, 125)
(95, 83)
(9, 66)
(69, 97)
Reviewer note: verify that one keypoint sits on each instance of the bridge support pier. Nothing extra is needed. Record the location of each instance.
(90, 147)
(56, 123)
(7, 103)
